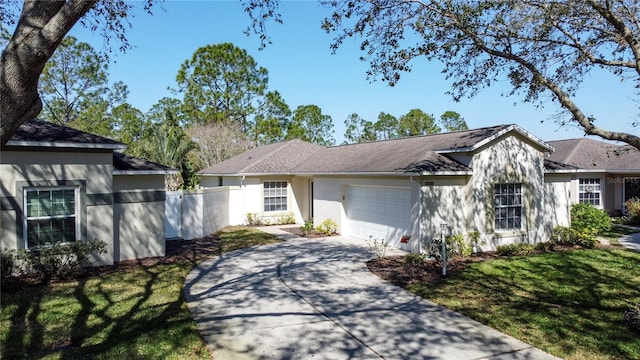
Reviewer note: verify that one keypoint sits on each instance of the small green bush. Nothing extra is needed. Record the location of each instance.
(458, 246)
(7, 262)
(632, 318)
(569, 236)
(413, 261)
(546, 246)
(518, 249)
(585, 217)
(59, 259)
(307, 228)
(328, 227)
(285, 219)
(633, 207)
(254, 219)
(474, 238)
(379, 247)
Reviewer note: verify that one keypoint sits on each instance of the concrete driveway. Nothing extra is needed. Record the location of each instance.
(315, 299)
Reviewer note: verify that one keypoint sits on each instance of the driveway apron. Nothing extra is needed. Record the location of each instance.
(315, 299)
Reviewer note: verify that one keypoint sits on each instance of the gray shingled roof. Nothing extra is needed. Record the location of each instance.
(278, 158)
(126, 164)
(38, 133)
(412, 154)
(45, 134)
(596, 155)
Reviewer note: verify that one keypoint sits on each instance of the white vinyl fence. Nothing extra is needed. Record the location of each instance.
(192, 214)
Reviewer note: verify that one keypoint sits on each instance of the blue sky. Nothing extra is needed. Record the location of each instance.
(302, 68)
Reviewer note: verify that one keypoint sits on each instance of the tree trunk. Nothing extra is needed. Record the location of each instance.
(41, 28)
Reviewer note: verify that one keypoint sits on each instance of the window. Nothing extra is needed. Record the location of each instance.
(589, 191)
(508, 206)
(50, 215)
(275, 196)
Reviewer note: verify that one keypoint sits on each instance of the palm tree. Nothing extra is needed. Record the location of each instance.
(169, 145)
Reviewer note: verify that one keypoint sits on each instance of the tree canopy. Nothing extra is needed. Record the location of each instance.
(310, 124)
(541, 48)
(415, 122)
(40, 26)
(221, 82)
(74, 77)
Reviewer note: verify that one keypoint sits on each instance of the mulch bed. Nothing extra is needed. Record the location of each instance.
(393, 269)
(176, 251)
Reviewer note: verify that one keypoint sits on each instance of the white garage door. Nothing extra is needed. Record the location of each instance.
(382, 212)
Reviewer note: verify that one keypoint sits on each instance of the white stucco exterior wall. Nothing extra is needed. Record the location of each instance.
(444, 200)
(509, 159)
(558, 200)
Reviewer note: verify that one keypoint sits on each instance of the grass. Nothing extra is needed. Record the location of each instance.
(135, 314)
(568, 303)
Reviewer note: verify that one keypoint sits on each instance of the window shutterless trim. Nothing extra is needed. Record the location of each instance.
(512, 208)
(279, 197)
(26, 218)
(18, 201)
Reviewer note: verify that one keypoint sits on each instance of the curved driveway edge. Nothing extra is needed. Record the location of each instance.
(315, 299)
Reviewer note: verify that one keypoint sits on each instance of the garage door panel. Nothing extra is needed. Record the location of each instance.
(382, 212)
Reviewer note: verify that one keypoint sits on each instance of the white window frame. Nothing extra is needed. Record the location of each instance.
(276, 195)
(507, 200)
(590, 185)
(26, 218)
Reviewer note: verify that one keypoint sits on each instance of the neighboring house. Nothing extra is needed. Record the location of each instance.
(602, 174)
(491, 180)
(59, 184)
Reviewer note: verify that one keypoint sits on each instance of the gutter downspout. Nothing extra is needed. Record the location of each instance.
(419, 213)
(242, 187)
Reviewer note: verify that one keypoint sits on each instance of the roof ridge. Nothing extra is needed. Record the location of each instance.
(422, 136)
(282, 145)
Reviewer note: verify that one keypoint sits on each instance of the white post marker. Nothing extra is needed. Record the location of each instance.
(443, 228)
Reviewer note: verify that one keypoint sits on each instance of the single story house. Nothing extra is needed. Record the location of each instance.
(492, 180)
(603, 174)
(62, 184)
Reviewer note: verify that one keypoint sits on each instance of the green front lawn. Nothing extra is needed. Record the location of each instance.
(135, 314)
(568, 303)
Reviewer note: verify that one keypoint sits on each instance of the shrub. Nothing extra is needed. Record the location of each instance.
(456, 245)
(546, 246)
(632, 318)
(254, 219)
(7, 262)
(585, 217)
(633, 207)
(569, 236)
(379, 247)
(307, 228)
(412, 261)
(474, 238)
(285, 219)
(328, 227)
(58, 260)
(518, 249)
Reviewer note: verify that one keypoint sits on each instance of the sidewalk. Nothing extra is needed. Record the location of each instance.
(631, 241)
(315, 298)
